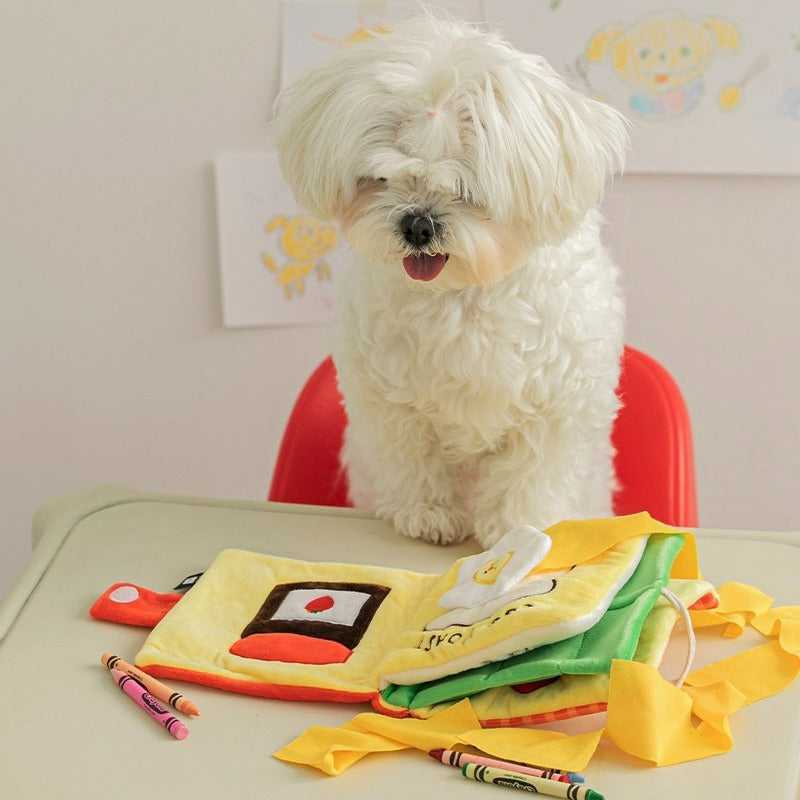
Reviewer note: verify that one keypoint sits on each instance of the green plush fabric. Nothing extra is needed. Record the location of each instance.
(615, 636)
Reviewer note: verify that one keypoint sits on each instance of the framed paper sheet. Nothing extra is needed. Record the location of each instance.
(278, 264)
(709, 87)
(312, 28)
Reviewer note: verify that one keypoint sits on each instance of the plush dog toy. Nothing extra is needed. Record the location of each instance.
(480, 324)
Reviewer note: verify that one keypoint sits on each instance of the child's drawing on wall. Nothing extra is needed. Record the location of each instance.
(789, 107)
(663, 60)
(278, 264)
(304, 242)
(709, 87)
(731, 95)
(364, 31)
(311, 28)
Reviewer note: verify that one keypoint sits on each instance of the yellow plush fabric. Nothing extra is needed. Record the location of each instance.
(194, 641)
(334, 750)
(579, 596)
(577, 695)
(256, 623)
(576, 542)
(291, 629)
(648, 717)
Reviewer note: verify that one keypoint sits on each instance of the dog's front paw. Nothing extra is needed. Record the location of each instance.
(488, 533)
(491, 527)
(435, 524)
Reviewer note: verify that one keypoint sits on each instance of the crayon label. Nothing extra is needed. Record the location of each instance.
(153, 704)
(515, 783)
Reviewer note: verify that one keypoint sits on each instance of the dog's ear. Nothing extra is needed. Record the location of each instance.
(314, 130)
(301, 114)
(564, 147)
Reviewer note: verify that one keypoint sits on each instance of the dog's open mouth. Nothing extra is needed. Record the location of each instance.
(424, 267)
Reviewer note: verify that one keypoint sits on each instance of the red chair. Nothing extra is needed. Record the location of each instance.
(653, 439)
(652, 436)
(307, 470)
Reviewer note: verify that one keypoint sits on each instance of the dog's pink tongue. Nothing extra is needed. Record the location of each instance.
(424, 267)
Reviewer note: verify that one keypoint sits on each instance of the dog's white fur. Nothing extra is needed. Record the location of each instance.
(483, 398)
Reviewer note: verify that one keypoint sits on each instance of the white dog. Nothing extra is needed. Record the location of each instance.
(480, 325)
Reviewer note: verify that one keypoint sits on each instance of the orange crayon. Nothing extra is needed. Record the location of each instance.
(156, 688)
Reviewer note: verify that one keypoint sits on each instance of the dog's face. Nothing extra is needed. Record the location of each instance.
(443, 151)
(439, 237)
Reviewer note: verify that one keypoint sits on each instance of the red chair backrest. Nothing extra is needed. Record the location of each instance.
(307, 469)
(652, 437)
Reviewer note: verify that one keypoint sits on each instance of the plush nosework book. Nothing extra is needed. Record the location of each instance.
(527, 630)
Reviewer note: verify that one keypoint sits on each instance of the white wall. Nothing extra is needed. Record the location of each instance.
(712, 266)
(115, 364)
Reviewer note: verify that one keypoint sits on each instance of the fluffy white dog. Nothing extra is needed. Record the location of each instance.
(480, 325)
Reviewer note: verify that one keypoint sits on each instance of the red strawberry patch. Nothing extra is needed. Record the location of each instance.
(319, 604)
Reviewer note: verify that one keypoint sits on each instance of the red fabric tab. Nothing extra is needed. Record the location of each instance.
(706, 602)
(292, 648)
(129, 604)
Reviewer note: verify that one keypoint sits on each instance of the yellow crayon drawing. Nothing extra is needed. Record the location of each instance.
(789, 107)
(304, 242)
(362, 33)
(731, 95)
(663, 59)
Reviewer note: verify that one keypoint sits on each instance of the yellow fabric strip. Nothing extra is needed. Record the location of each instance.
(533, 746)
(654, 720)
(738, 605)
(577, 541)
(783, 622)
(332, 750)
(757, 673)
(648, 717)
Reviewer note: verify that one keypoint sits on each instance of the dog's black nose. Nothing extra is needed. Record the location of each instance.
(418, 230)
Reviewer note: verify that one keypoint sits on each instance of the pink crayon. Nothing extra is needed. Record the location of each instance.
(156, 688)
(145, 700)
(457, 758)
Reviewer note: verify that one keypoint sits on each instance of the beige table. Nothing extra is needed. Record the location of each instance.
(65, 732)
